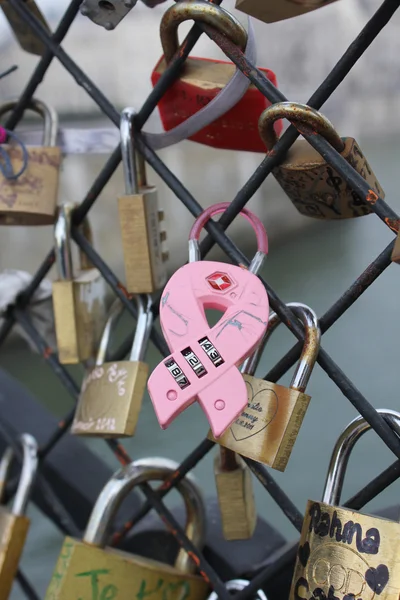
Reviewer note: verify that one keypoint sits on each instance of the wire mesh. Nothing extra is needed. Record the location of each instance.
(216, 235)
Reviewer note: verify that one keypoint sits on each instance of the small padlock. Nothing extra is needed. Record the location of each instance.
(88, 564)
(203, 365)
(112, 393)
(271, 11)
(314, 187)
(237, 585)
(14, 524)
(268, 428)
(31, 199)
(26, 37)
(79, 300)
(234, 483)
(106, 13)
(142, 238)
(343, 554)
(202, 79)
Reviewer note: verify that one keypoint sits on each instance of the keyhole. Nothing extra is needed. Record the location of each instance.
(105, 5)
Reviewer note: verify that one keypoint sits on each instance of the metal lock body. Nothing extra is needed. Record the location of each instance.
(79, 299)
(31, 199)
(116, 574)
(202, 79)
(112, 393)
(14, 524)
(271, 11)
(203, 363)
(140, 219)
(234, 483)
(342, 553)
(106, 13)
(24, 34)
(237, 585)
(314, 187)
(268, 428)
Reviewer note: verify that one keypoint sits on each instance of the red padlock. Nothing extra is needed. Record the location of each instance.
(202, 79)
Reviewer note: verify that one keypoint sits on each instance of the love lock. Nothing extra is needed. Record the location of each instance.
(212, 354)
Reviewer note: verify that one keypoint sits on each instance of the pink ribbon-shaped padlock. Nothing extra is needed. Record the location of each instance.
(203, 364)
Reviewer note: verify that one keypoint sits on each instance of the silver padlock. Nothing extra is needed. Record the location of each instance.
(107, 13)
(237, 585)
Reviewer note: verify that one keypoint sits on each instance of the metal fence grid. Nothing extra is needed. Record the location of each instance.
(17, 313)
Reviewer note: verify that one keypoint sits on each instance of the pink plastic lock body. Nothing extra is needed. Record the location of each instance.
(203, 364)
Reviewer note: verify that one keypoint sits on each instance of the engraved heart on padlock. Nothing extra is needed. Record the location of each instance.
(239, 432)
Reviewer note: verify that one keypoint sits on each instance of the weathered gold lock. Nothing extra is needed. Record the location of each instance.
(116, 574)
(267, 430)
(31, 199)
(344, 554)
(79, 299)
(140, 217)
(314, 187)
(24, 34)
(14, 524)
(112, 393)
(271, 11)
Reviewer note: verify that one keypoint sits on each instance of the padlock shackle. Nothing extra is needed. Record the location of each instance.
(344, 447)
(255, 222)
(303, 117)
(312, 340)
(132, 160)
(238, 585)
(142, 333)
(46, 111)
(28, 473)
(118, 488)
(62, 242)
(205, 12)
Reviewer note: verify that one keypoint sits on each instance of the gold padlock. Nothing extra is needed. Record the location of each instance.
(268, 428)
(79, 300)
(112, 393)
(24, 34)
(117, 574)
(31, 199)
(14, 524)
(271, 11)
(314, 187)
(344, 554)
(234, 482)
(234, 485)
(142, 237)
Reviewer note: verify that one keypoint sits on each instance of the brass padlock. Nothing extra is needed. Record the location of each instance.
(314, 187)
(234, 483)
(14, 524)
(79, 300)
(343, 554)
(116, 574)
(27, 39)
(112, 393)
(140, 217)
(31, 199)
(271, 11)
(267, 430)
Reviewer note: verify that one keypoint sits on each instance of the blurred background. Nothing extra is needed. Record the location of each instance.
(309, 261)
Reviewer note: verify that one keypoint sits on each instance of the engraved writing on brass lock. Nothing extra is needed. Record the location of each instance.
(343, 554)
(267, 428)
(314, 187)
